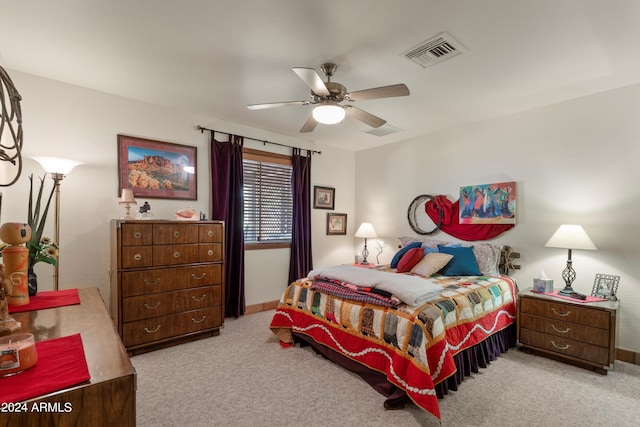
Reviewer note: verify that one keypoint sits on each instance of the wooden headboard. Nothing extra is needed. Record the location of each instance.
(507, 257)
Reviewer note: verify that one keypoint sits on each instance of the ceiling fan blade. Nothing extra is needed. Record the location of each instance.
(276, 104)
(364, 117)
(312, 79)
(379, 92)
(309, 125)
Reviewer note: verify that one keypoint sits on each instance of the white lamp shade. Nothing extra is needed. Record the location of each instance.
(127, 197)
(571, 237)
(57, 164)
(328, 114)
(366, 231)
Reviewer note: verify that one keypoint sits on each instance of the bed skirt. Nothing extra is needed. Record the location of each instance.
(467, 362)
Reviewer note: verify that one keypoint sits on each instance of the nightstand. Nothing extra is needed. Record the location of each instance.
(583, 334)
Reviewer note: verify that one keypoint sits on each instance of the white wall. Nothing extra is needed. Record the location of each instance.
(81, 124)
(574, 162)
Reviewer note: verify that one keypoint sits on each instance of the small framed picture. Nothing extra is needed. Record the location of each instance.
(606, 286)
(323, 197)
(336, 224)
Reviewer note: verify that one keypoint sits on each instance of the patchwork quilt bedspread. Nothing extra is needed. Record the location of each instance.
(413, 345)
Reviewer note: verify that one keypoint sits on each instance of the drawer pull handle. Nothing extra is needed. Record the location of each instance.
(176, 234)
(152, 282)
(210, 233)
(137, 234)
(561, 347)
(562, 331)
(560, 313)
(151, 307)
(199, 299)
(176, 254)
(137, 257)
(193, 319)
(150, 331)
(200, 277)
(210, 252)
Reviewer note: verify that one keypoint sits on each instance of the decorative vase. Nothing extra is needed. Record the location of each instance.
(33, 282)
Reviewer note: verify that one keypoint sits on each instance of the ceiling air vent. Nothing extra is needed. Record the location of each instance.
(435, 50)
(383, 130)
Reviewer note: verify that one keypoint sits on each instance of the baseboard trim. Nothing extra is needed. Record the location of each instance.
(257, 308)
(627, 356)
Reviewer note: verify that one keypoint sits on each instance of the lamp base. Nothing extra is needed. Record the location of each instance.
(567, 291)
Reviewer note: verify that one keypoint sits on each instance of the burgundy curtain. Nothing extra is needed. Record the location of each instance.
(301, 259)
(228, 206)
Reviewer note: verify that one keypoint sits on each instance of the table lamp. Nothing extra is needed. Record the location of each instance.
(127, 199)
(367, 231)
(570, 237)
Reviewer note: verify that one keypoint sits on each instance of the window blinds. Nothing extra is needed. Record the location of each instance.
(268, 203)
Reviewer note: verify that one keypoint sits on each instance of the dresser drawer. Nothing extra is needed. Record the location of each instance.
(171, 234)
(137, 256)
(170, 279)
(566, 312)
(137, 234)
(161, 304)
(210, 252)
(558, 345)
(210, 233)
(158, 328)
(175, 254)
(564, 329)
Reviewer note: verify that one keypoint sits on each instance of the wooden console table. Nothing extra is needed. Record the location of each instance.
(109, 398)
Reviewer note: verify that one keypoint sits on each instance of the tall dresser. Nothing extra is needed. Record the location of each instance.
(167, 283)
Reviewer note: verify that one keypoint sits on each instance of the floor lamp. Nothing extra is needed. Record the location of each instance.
(58, 168)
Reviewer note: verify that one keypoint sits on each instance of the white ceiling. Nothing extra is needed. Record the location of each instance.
(214, 57)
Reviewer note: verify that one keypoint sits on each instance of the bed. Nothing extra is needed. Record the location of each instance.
(418, 346)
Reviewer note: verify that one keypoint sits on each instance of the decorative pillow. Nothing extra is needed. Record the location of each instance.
(396, 258)
(463, 263)
(430, 250)
(431, 264)
(410, 259)
(426, 242)
(488, 258)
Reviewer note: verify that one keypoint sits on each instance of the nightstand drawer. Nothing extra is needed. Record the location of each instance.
(566, 312)
(559, 345)
(564, 329)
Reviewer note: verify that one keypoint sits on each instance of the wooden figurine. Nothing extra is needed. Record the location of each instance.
(16, 262)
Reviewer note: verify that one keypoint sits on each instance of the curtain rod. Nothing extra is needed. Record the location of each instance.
(202, 129)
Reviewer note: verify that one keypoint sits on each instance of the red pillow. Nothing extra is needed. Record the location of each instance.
(410, 259)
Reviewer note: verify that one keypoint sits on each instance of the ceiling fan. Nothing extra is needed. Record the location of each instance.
(327, 96)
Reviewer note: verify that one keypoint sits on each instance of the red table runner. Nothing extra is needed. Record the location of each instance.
(48, 299)
(61, 364)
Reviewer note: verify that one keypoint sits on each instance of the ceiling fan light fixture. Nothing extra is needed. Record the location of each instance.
(328, 114)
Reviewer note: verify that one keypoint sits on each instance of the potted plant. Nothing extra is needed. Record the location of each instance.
(40, 248)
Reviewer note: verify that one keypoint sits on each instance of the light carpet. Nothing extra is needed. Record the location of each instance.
(243, 378)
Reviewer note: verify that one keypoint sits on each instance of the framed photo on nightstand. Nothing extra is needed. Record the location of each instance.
(606, 286)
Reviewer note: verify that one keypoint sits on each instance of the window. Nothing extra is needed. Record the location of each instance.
(268, 203)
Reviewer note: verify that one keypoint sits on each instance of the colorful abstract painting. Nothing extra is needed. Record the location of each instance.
(488, 203)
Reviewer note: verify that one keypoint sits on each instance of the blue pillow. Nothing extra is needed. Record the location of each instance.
(431, 250)
(398, 255)
(464, 262)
